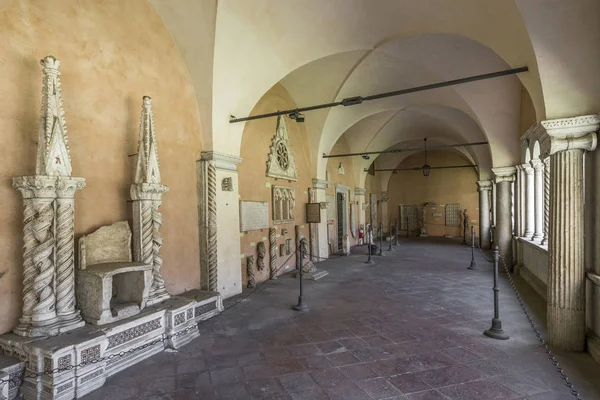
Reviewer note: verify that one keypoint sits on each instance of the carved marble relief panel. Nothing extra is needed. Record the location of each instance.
(453, 215)
(411, 213)
(284, 201)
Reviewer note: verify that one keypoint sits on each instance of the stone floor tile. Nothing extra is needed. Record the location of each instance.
(341, 334)
(352, 343)
(304, 350)
(233, 391)
(221, 361)
(317, 337)
(297, 382)
(330, 347)
(286, 367)
(408, 383)
(361, 331)
(328, 377)
(357, 372)
(250, 358)
(193, 380)
(264, 388)
(461, 355)
(449, 376)
(376, 340)
(372, 354)
(313, 394)
(347, 391)
(257, 371)
(426, 395)
(315, 362)
(344, 358)
(379, 388)
(477, 390)
(226, 375)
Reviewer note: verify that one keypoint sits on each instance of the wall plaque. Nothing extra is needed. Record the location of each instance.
(313, 213)
(254, 215)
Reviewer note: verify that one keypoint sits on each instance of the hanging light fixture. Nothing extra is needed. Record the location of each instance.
(426, 168)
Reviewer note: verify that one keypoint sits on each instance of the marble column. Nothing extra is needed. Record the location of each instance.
(517, 206)
(504, 178)
(484, 213)
(538, 168)
(546, 199)
(529, 200)
(318, 239)
(569, 138)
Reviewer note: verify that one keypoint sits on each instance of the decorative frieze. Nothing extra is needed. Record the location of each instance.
(133, 333)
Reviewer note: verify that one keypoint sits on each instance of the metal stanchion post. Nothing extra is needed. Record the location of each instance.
(496, 331)
(380, 239)
(369, 236)
(390, 235)
(396, 232)
(301, 306)
(473, 263)
(407, 226)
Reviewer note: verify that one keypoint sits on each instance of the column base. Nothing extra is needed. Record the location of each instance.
(537, 238)
(158, 297)
(566, 328)
(496, 331)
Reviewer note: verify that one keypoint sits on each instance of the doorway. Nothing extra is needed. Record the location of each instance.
(340, 220)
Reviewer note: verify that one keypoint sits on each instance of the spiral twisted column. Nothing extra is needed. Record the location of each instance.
(212, 227)
(272, 253)
(546, 199)
(29, 270)
(147, 239)
(44, 310)
(250, 272)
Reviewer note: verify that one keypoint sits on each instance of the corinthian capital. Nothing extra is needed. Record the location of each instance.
(572, 133)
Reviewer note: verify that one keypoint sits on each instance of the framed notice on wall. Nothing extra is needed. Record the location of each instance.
(313, 213)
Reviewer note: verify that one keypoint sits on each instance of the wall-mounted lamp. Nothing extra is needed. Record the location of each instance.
(297, 116)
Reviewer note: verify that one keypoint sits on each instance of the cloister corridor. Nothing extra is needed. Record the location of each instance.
(407, 327)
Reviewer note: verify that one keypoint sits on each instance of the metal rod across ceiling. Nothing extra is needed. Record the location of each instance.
(365, 153)
(352, 101)
(419, 168)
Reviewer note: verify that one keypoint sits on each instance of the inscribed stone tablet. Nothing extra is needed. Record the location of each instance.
(254, 215)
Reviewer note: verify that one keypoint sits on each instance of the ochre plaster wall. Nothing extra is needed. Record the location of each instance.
(256, 186)
(442, 186)
(112, 53)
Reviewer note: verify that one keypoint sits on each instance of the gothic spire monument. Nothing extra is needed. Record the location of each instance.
(49, 220)
(146, 194)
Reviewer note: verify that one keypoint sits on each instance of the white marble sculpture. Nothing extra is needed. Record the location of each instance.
(146, 194)
(49, 214)
(281, 158)
(423, 222)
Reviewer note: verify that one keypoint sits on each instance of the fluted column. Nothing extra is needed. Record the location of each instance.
(568, 138)
(484, 188)
(504, 178)
(546, 199)
(538, 168)
(529, 200)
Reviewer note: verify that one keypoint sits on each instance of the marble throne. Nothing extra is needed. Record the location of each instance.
(110, 286)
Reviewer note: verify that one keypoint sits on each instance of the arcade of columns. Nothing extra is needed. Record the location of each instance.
(546, 195)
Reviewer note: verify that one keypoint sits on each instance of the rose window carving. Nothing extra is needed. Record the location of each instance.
(282, 156)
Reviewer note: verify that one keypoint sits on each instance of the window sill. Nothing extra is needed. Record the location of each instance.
(539, 246)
